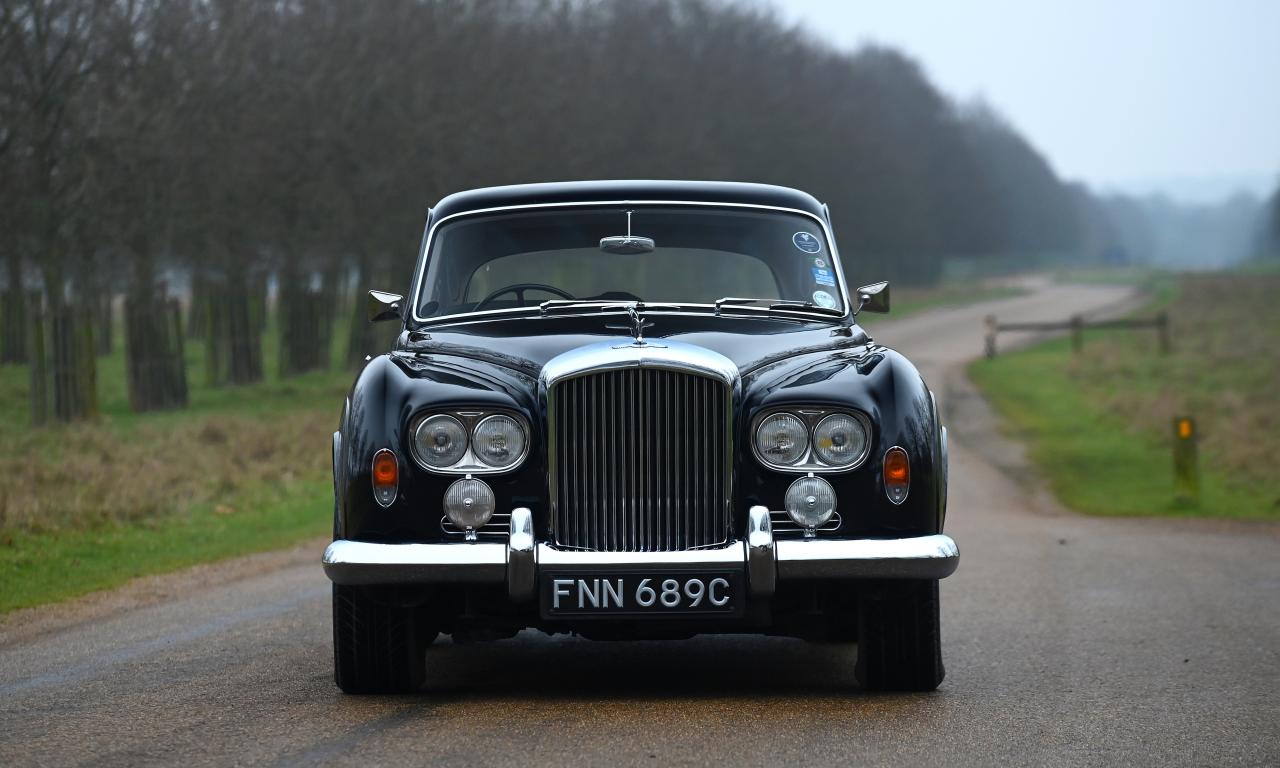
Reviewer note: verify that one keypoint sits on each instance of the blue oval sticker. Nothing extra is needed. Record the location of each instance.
(807, 242)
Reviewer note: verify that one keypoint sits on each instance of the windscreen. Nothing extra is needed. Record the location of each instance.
(698, 255)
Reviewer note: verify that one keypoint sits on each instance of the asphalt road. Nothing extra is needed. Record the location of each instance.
(1067, 640)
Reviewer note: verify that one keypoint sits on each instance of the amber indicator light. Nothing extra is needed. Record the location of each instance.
(385, 469)
(897, 471)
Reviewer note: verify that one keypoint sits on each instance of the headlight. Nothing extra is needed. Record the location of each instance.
(811, 501)
(782, 439)
(469, 503)
(840, 439)
(440, 441)
(498, 441)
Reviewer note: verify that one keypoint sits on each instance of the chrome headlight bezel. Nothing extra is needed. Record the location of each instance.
(810, 461)
(470, 463)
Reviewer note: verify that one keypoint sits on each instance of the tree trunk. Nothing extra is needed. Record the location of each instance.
(155, 365)
(74, 362)
(13, 325)
(39, 371)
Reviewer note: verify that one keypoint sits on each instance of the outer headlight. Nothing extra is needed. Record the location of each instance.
(498, 441)
(440, 441)
(782, 439)
(840, 439)
(469, 503)
(811, 501)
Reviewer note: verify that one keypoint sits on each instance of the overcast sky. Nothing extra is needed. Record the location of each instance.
(1178, 95)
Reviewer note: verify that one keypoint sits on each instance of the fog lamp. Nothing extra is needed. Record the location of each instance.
(811, 501)
(469, 503)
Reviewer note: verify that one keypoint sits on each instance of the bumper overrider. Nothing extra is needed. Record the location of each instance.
(762, 559)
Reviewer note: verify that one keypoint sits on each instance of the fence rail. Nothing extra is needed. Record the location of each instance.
(1077, 326)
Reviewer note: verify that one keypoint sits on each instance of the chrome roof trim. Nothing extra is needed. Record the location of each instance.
(424, 254)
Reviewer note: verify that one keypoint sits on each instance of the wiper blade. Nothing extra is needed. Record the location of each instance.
(772, 304)
(602, 305)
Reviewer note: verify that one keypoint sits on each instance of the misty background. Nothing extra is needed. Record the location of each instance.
(182, 161)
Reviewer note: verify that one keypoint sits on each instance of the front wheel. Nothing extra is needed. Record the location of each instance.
(377, 647)
(899, 638)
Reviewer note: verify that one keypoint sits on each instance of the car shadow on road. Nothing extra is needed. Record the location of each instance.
(534, 665)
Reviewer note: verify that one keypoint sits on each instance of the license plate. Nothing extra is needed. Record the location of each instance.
(641, 594)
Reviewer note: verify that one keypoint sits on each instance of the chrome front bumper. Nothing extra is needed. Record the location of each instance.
(763, 559)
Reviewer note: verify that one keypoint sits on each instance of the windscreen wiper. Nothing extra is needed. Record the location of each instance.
(772, 304)
(602, 304)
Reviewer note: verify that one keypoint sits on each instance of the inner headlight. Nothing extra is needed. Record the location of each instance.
(440, 441)
(811, 501)
(469, 503)
(498, 441)
(782, 439)
(840, 439)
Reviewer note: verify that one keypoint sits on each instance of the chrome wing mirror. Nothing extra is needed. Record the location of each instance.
(384, 306)
(874, 297)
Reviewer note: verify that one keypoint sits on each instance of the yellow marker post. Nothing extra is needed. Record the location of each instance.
(1186, 470)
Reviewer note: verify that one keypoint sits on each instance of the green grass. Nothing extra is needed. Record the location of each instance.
(88, 506)
(44, 567)
(1099, 424)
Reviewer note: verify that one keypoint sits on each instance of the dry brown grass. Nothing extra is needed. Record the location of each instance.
(81, 476)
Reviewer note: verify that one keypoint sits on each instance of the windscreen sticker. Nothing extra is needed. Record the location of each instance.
(820, 263)
(824, 299)
(807, 242)
(823, 276)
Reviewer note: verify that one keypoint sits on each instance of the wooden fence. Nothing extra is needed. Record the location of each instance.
(1077, 326)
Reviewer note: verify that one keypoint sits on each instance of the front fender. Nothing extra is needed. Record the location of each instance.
(385, 399)
(881, 383)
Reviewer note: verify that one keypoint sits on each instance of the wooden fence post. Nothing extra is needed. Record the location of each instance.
(1162, 326)
(991, 337)
(1186, 470)
(1077, 334)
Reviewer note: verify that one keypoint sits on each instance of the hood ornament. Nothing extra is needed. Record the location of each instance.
(636, 323)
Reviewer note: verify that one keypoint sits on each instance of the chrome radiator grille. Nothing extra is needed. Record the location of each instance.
(641, 461)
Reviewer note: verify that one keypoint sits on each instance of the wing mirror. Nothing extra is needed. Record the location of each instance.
(874, 297)
(384, 306)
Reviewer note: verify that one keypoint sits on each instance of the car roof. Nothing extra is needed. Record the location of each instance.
(741, 193)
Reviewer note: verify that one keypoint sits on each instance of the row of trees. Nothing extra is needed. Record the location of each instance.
(152, 150)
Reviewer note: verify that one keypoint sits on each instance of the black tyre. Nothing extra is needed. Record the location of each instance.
(899, 638)
(377, 648)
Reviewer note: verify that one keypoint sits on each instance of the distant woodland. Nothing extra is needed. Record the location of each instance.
(182, 165)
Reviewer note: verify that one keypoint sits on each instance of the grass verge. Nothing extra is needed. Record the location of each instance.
(1099, 424)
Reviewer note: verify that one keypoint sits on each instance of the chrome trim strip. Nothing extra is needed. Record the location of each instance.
(920, 557)
(762, 569)
(424, 255)
(360, 562)
(731, 556)
(522, 557)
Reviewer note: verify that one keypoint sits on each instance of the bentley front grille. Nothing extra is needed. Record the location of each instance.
(641, 461)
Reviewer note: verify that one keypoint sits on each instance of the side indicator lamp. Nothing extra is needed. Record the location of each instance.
(897, 474)
(386, 477)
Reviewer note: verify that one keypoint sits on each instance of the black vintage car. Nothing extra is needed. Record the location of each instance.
(636, 410)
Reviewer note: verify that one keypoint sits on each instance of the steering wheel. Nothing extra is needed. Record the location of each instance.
(518, 289)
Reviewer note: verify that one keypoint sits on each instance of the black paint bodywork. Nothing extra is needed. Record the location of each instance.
(495, 363)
